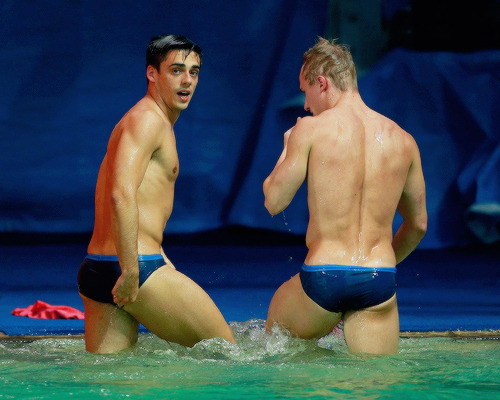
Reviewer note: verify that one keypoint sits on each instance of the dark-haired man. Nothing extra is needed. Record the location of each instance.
(126, 278)
(360, 167)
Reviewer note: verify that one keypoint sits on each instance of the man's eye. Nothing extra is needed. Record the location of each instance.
(194, 73)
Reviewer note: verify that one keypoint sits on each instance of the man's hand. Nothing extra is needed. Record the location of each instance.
(125, 290)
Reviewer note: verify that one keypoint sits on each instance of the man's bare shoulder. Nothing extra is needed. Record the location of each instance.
(385, 124)
(406, 136)
(304, 131)
(310, 124)
(145, 110)
(305, 123)
(329, 123)
(144, 119)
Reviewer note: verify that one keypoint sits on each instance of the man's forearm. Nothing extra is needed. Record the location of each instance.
(125, 225)
(406, 240)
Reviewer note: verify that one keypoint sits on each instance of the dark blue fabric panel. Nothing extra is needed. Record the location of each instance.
(70, 70)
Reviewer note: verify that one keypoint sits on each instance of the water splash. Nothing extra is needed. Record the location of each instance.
(254, 344)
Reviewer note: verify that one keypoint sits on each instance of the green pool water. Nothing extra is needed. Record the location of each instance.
(260, 366)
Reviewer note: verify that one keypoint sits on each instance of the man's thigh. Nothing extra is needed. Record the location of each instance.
(108, 329)
(175, 308)
(373, 330)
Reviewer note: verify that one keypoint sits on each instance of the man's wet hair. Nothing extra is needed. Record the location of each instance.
(332, 60)
(159, 46)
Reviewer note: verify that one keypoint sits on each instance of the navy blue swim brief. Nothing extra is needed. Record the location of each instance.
(98, 274)
(340, 288)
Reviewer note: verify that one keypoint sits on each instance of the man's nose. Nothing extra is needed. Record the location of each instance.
(187, 78)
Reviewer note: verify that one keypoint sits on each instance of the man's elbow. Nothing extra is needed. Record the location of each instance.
(120, 196)
(271, 208)
(267, 202)
(421, 227)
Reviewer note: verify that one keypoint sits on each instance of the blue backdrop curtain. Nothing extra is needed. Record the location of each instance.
(70, 70)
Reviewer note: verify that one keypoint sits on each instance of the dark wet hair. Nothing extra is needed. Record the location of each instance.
(160, 46)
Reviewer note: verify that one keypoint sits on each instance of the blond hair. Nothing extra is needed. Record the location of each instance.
(332, 60)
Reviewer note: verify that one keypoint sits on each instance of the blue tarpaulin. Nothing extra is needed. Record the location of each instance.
(70, 70)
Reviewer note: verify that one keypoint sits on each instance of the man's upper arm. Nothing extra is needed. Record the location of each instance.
(412, 205)
(129, 153)
(287, 177)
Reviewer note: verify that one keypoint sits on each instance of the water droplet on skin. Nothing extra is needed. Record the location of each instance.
(380, 138)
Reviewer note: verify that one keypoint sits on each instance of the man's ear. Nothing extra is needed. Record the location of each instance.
(151, 73)
(322, 82)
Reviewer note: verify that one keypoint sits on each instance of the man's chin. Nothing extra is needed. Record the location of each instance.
(182, 106)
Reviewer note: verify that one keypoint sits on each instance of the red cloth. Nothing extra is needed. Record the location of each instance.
(43, 310)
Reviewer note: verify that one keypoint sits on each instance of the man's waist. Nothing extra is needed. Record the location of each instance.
(114, 257)
(337, 253)
(106, 246)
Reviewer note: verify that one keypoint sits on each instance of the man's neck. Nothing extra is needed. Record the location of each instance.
(171, 114)
(351, 97)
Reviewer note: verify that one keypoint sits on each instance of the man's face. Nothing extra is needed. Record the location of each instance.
(311, 103)
(177, 79)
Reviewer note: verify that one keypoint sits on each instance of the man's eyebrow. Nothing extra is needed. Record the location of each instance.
(196, 66)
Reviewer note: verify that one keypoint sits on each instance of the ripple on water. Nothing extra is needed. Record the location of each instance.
(261, 365)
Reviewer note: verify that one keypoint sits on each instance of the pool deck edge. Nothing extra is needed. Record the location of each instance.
(483, 334)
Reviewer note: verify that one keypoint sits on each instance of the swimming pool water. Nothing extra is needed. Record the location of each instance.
(260, 366)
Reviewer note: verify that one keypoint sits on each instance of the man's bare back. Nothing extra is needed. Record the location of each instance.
(358, 165)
